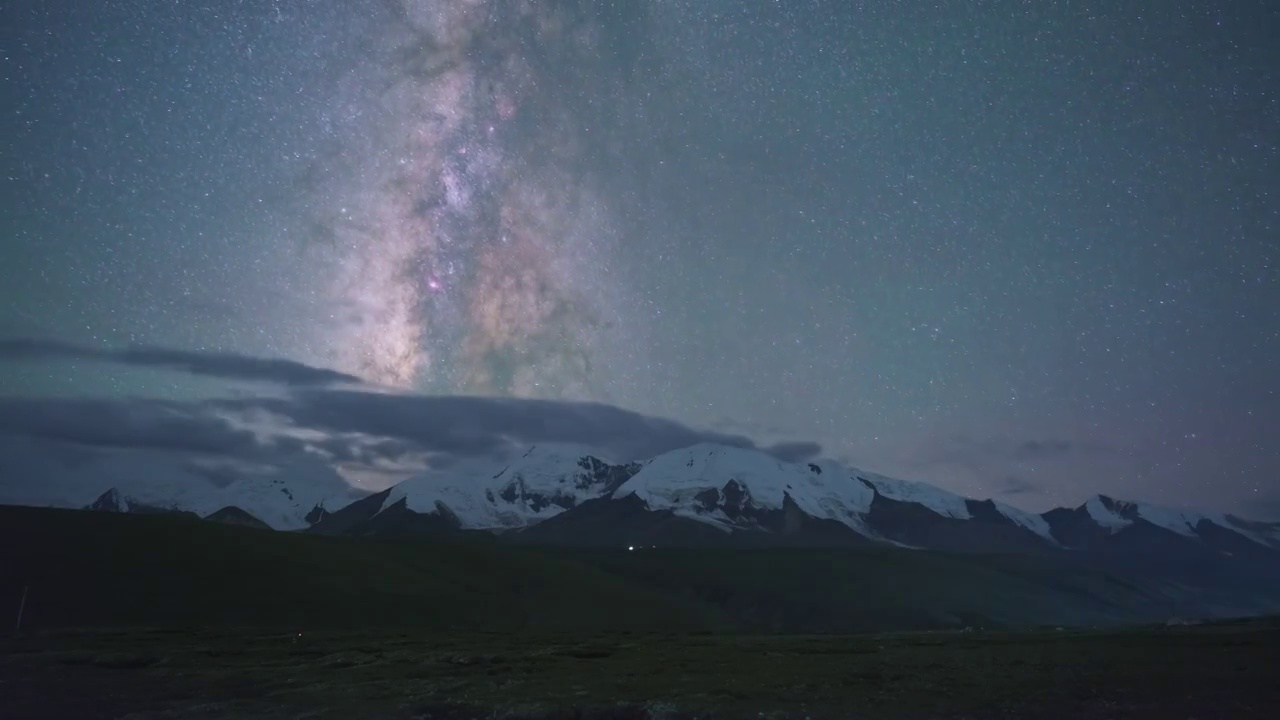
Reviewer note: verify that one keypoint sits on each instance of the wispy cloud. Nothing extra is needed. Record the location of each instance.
(1041, 449)
(1014, 485)
(971, 452)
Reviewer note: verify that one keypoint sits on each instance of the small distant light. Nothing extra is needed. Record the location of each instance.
(631, 547)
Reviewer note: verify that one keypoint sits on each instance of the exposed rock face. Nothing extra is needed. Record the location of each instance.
(115, 501)
(232, 515)
(590, 478)
(625, 522)
(317, 515)
(110, 501)
(352, 519)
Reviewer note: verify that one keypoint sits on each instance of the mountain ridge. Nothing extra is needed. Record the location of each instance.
(728, 488)
(720, 497)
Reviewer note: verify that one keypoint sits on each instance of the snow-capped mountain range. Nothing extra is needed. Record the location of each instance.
(280, 496)
(552, 493)
(487, 495)
(704, 493)
(714, 496)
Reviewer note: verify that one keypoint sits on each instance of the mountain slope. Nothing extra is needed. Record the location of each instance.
(486, 494)
(166, 571)
(115, 501)
(232, 515)
(737, 488)
(1103, 522)
(110, 569)
(714, 495)
(754, 499)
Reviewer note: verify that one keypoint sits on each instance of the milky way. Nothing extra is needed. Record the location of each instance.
(471, 251)
(1023, 250)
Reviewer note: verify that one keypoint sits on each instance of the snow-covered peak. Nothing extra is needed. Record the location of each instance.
(554, 469)
(1106, 513)
(534, 485)
(111, 501)
(709, 482)
(461, 488)
(280, 495)
(676, 476)
(1115, 515)
(1030, 521)
(1119, 514)
(936, 499)
(1183, 522)
(840, 482)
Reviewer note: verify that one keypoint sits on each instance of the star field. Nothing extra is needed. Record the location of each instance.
(1024, 251)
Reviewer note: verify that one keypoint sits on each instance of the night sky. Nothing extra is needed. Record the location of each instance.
(1022, 250)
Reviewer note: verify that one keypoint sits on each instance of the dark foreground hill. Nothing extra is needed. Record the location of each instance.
(98, 569)
(87, 568)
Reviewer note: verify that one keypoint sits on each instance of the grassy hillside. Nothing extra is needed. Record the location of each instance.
(97, 569)
(101, 569)
(878, 588)
(205, 619)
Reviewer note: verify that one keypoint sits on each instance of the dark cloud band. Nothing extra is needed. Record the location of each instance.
(133, 423)
(466, 425)
(353, 423)
(228, 366)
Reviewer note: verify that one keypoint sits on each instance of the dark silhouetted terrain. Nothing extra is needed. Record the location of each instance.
(1218, 671)
(104, 569)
